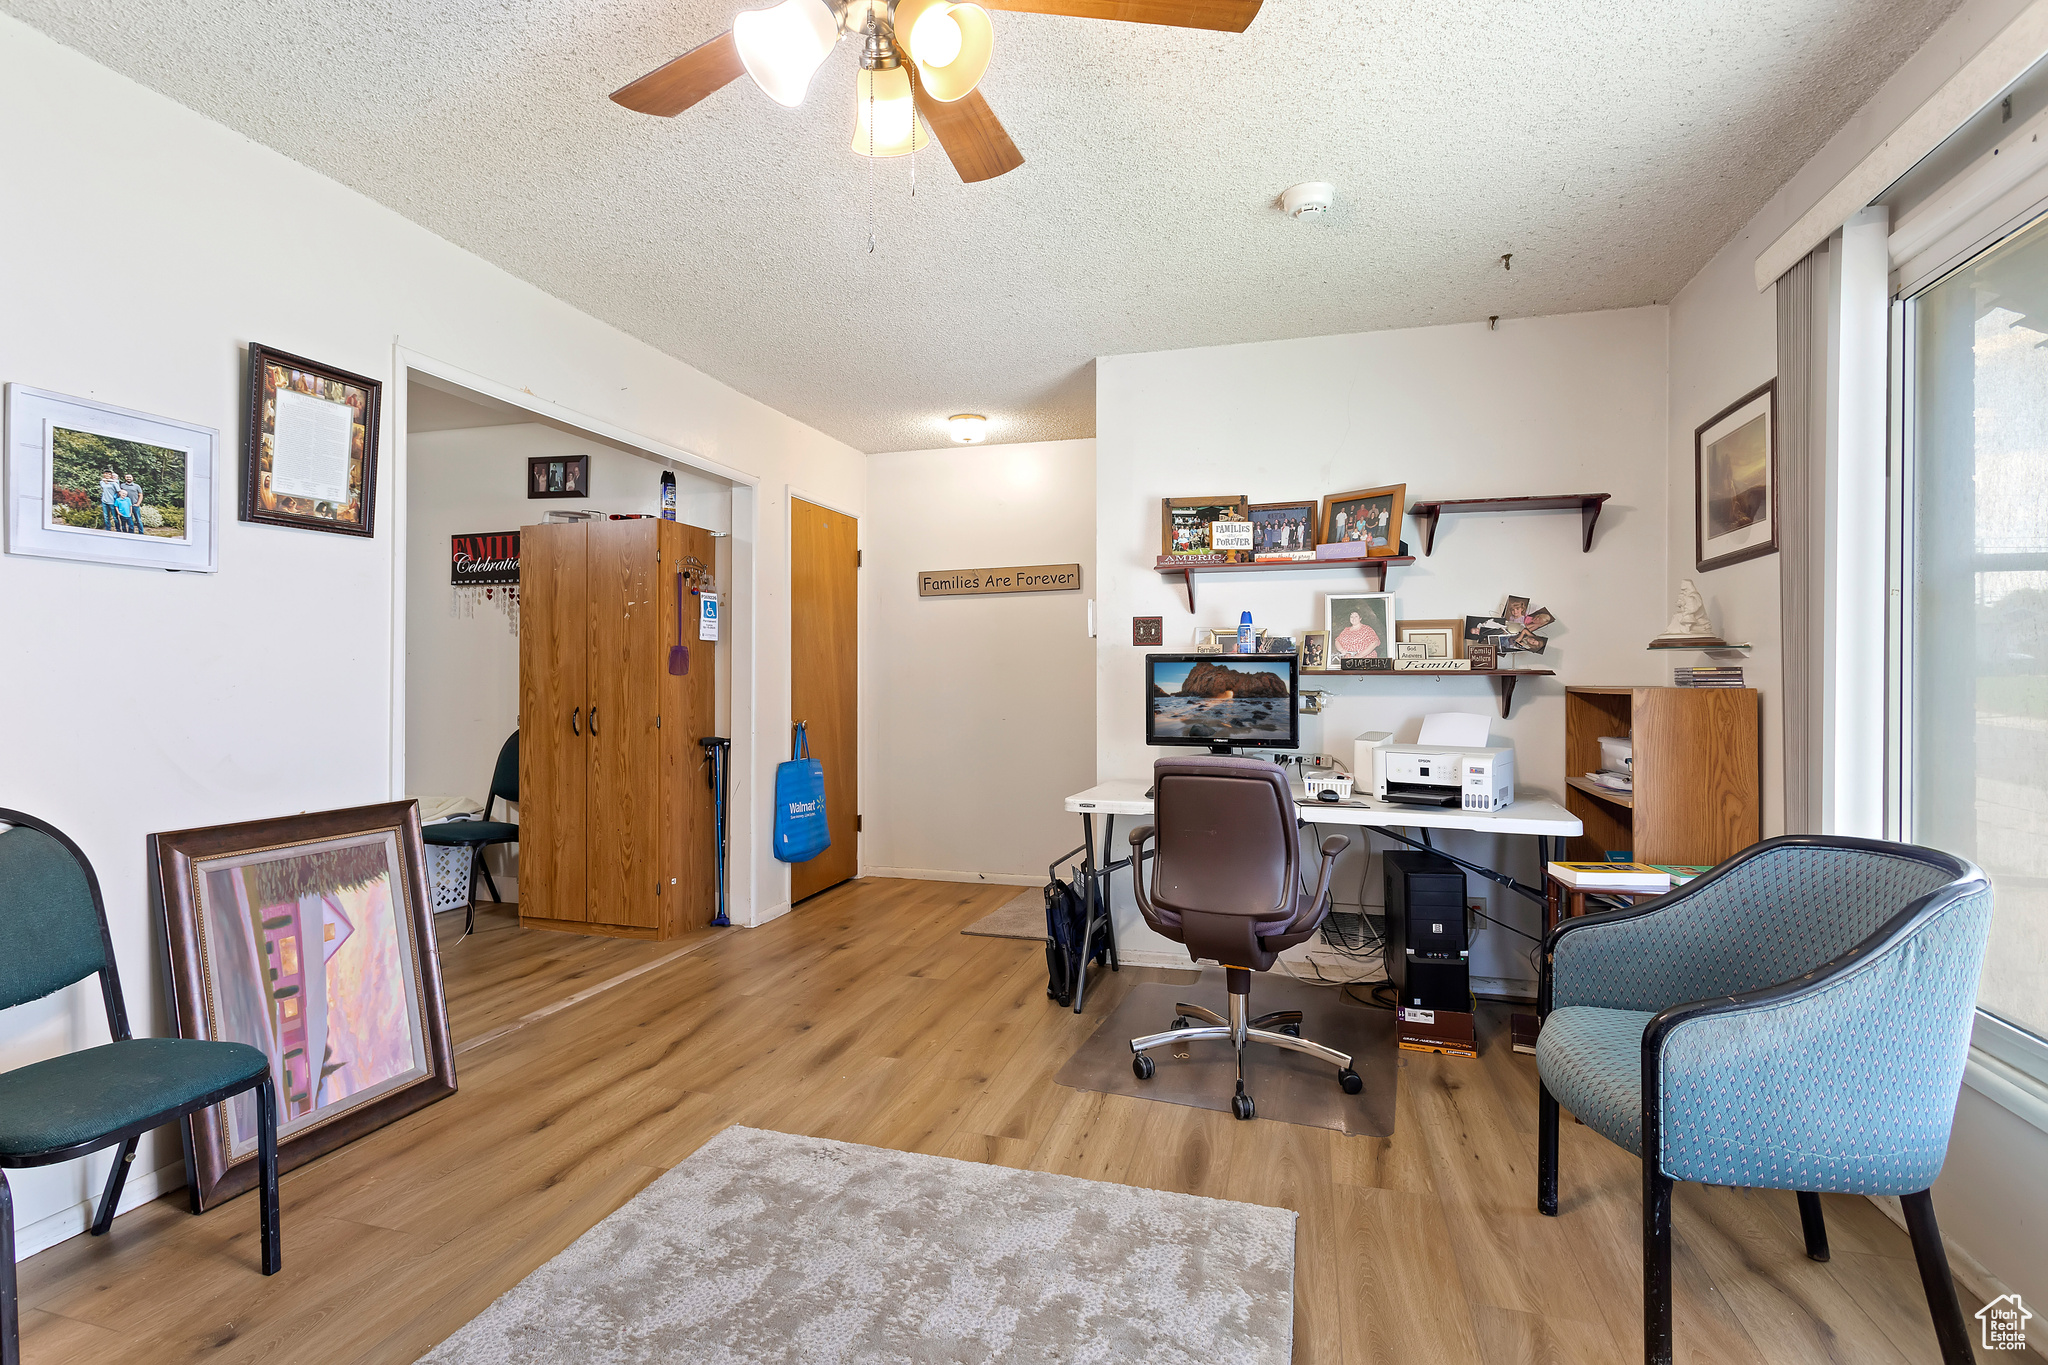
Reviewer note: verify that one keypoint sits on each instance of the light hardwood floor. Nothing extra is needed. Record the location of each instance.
(866, 1016)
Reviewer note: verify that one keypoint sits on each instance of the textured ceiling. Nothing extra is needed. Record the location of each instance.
(1611, 145)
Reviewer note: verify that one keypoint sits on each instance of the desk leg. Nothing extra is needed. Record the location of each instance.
(1090, 877)
(1106, 900)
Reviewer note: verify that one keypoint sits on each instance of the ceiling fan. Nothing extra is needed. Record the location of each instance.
(923, 54)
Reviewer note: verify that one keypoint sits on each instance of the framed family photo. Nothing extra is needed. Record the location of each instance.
(1371, 516)
(311, 938)
(1735, 481)
(565, 476)
(1283, 530)
(93, 482)
(1185, 522)
(1360, 625)
(309, 445)
(1315, 649)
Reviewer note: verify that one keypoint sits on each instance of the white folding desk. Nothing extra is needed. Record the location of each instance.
(1533, 813)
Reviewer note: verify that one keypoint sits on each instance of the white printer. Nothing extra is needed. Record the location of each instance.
(1467, 776)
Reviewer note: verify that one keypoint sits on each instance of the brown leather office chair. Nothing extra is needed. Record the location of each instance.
(1226, 881)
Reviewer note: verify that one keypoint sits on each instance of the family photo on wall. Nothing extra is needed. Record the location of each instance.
(121, 487)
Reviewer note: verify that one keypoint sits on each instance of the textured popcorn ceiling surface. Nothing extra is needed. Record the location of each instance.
(1611, 145)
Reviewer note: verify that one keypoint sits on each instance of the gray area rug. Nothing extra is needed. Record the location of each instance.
(1285, 1086)
(767, 1247)
(1023, 917)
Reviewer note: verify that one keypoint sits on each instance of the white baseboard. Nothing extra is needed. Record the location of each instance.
(1969, 1272)
(65, 1224)
(927, 874)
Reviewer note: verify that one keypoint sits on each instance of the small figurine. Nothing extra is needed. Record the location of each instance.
(1689, 624)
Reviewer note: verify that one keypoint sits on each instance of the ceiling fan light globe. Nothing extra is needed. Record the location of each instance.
(897, 129)
(955, 77)
(783, 47)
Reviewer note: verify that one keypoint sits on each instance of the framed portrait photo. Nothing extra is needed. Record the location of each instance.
(311, 938)
(1444, 639)
(1184, 524)
(93, 482)
(309, 445)
(564, 476)
(1283, 531)
(1315, 649)
(1735, 481)
(1369, 516)
(1360, 625)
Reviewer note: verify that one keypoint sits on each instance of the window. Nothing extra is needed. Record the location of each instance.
(1976, 547)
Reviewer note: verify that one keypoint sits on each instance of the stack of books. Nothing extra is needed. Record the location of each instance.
(1611, 876)
(1706, 677)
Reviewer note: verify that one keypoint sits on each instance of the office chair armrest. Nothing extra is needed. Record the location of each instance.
(1336, 844)
(1311, 913)
(1163, 922)
(1140, 835)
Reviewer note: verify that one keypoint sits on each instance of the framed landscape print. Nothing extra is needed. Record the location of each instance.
(90, 481)
(1735, 481)
(1184, 524)
(1360, 625)
(1369, 515)
(311, 938)
(309, 445)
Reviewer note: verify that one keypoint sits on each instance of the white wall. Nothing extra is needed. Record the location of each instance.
(1546, 405)
(980, 710)
(1992, 1198)
(462, 672)
(160, 244)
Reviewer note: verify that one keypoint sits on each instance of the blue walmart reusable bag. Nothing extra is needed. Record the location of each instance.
(800, 830)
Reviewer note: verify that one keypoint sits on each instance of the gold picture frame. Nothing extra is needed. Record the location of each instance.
(1370, 515)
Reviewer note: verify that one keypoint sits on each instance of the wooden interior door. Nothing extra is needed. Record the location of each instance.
(626, 664)
(823, 619)
(553, 664)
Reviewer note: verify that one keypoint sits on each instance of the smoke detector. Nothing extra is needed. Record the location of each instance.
(1311, 197)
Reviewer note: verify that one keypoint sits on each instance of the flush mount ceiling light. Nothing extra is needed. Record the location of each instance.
(918, 57)
(968, 427)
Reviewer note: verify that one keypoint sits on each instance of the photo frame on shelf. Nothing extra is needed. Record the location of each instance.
(1184, 525)
(311, 938)
(309, 445)
(1284, 531)
(1361, 625)
(1371, 516)
(1735, 481)
(558, 476)
(1315, 649)
(104, 485)
(1440, 639)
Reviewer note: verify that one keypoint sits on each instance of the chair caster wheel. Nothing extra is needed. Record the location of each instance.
(1291, 1030)
(1241, 1106)
(1180, 1022)
(1351, 1081)
(1142, 1067)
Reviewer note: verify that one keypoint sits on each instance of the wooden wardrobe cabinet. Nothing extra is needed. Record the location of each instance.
(615, 815)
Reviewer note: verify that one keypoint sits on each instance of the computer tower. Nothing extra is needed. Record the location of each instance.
(1428, 934)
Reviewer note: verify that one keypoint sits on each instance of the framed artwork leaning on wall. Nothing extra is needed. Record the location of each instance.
(311, 938)
(93, 482)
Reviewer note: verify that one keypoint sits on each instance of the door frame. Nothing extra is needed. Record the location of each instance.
(790, 494)
(740, 594)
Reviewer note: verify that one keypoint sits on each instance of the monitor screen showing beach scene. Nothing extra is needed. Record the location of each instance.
(1206, 701)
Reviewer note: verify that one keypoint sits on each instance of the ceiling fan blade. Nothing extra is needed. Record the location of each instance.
(973, 137)
(1229, 16)
(668, 90)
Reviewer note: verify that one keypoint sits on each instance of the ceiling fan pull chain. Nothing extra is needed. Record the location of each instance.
(911, 68)
(871, 160)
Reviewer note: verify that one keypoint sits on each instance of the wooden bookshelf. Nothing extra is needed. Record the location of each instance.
(1587, 505)
(1695, 771)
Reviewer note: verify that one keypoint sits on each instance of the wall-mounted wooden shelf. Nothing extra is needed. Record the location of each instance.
(1504, 679)
(1626, 800)
(1587, 505)
(1375, 570)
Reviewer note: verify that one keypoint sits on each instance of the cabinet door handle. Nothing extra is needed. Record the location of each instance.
(593, 720)
(576, 721)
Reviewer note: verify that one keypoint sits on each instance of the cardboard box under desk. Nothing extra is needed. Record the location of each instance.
(1446, 1031)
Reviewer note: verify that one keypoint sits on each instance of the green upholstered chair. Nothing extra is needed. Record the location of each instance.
(53, 932)
(478, 835)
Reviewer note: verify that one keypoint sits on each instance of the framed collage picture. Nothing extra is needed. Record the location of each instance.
(309, 445)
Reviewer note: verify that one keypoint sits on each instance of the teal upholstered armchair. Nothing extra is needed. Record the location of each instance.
(1797, 1019)
(53, 933)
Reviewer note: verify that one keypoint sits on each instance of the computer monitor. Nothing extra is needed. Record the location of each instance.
(1223, 701)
